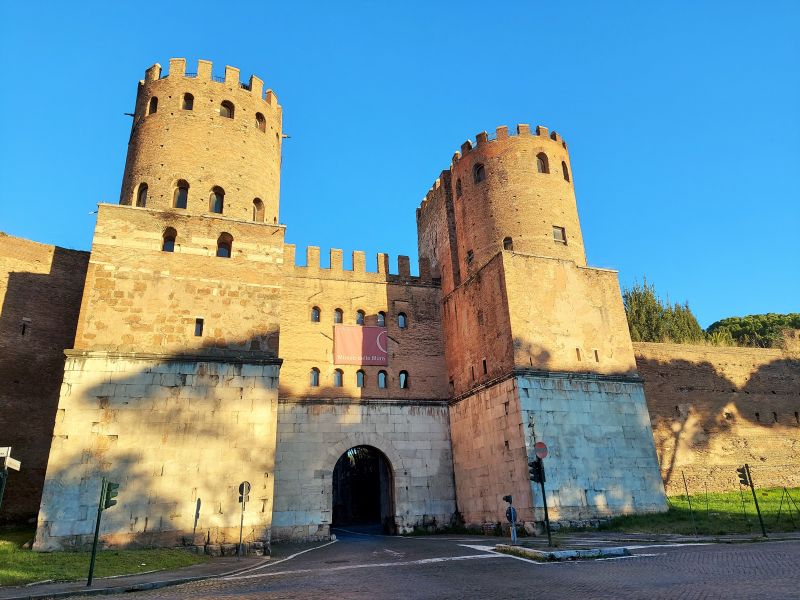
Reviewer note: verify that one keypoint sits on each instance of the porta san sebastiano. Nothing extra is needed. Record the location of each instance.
(193, 348)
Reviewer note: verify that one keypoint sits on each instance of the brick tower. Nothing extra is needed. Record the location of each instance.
(536, 343)
(177, 338)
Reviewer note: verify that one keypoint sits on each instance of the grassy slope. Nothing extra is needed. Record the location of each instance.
(718, 514)
(18, 566)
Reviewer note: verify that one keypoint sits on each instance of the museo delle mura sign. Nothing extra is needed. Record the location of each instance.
(359, 345)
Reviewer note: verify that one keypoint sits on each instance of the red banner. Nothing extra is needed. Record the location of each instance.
(359, 345)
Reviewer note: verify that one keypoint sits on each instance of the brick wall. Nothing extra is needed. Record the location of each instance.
(714, 409)
(42, 284)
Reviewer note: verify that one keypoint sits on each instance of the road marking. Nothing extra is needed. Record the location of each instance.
(631, 556)
(277, 562)
(422, 561)
(491, 550)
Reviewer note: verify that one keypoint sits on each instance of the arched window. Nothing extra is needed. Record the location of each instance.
(168, 240)
(141, 196)
(359, 317)
(261, 122)
(153, 106)
(542, 164)
(402, 321)
(338, 378)
(258, 210)
(508, 244)
(188, 102)
(361, 378)
(226, 109)
(225, 245)
(403, 380)
(565, 170)
(315, 314)
(458, 188)
(216, 202)
(181, 198)
(382, 379)
(478, 173)
(381, 319)
(314, 379)
(338, 315)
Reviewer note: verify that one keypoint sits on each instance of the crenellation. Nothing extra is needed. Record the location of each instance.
(501, 132)
(204, 70)
(403, 267)
(289, 255)
(523, 129)
(466, 147)
(383, 264)
(177, 67)
(542, 131)
(481, 138)
(256, 86)
(336, 263)
(359, 261)
(153, 73)
(231, 76)
(312, 258)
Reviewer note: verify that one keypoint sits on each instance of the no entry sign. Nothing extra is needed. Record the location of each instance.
(540, 448)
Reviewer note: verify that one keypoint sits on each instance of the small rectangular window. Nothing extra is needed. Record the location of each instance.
(472, 371)
(25, 326)
(559, 235)
(596, 355)
(578, 353)
(198, 327)
(485, 370)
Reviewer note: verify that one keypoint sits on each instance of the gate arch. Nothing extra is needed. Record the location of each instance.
(363, 490)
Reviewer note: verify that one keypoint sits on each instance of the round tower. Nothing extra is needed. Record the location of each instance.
(204, 145)
(514, 192)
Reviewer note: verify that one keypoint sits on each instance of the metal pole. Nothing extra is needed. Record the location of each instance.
(744, 510)
(514, 526)
(544, 501)
(241, 528)
(755, 499)
(689, 500)
(3, 477)
(96, 532)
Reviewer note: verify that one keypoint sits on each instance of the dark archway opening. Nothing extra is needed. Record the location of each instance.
(363, 490)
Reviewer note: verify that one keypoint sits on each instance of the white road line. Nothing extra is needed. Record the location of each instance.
(491, 550)
(423, 561)
(631, 556)
(277, 562)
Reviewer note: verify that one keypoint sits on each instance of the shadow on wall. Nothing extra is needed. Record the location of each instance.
(705, 425)
(38, 319)
(178, 433)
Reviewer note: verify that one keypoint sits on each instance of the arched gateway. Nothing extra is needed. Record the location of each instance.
(363, 490)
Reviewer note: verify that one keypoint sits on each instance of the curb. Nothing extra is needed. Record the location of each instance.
(121, 589)
(556, 555)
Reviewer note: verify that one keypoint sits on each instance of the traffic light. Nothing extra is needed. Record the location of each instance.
(536, 470)
(743, 478)
(112, 489)
(507, 499)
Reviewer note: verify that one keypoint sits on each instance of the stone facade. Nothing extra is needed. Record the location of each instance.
(201, 354)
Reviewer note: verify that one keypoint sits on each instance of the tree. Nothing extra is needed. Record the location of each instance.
(651, 320)
(762, 331)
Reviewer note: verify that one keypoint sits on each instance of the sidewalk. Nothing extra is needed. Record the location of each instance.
(132, 583)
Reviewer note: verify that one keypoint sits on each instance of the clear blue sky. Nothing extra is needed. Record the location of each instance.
(682, 118)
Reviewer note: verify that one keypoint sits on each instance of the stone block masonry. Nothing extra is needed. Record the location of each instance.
(178, 434)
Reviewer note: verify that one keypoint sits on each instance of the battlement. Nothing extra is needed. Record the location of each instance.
(177, 68)
(359, 271)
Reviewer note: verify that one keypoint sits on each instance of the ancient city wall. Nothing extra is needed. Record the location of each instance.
(715, 408)
(313, 435)
(40, 296)
(178, 434)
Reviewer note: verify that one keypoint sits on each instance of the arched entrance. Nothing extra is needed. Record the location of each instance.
(363, 490)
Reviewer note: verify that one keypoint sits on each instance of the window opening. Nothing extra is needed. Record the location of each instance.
(542, 163)
(338, 315)
(403, 380)
(478, 173)
(141, 197)
(508, 244)
(314, 377)
(217, 201)
(188, 102)
(225, 245)
(153, 106)
(168, 240)
(181, 199)
(559, 235)
(261, 122)
(258, 210)
(360, 317)
(485, 370)
(26, 324)
(775, 417)
(758, 417)
(596, 356)
(470, 256)
(565, 170)
(381, 319)
(402, 320)
(578, 353)
(360, 378)
(198, 327)
(338, 378)
(382, 379)
(315, 314)
(226, 109)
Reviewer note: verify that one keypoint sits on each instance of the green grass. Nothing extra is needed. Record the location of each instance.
(19, 566)
(717, 514)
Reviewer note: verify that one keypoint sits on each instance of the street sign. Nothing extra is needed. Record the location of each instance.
(13, 463)
(244, 492)
(5, 451)
(540, 449)
(244, 497)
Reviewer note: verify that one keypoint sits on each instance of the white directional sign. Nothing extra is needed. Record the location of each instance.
(13, 463)
(5, 451)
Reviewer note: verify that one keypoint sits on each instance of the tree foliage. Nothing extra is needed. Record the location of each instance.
(652, 320)
(763, 331)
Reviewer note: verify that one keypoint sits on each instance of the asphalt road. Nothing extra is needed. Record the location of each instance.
(378, 567)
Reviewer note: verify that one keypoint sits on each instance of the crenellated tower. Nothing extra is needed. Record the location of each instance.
(202, 144)
(536, 342)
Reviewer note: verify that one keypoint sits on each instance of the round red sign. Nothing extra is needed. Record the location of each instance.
(540, 448)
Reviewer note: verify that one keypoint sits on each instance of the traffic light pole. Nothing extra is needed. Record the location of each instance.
(96, 532)
(755, 499)
(3, 477)
(544, 501)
